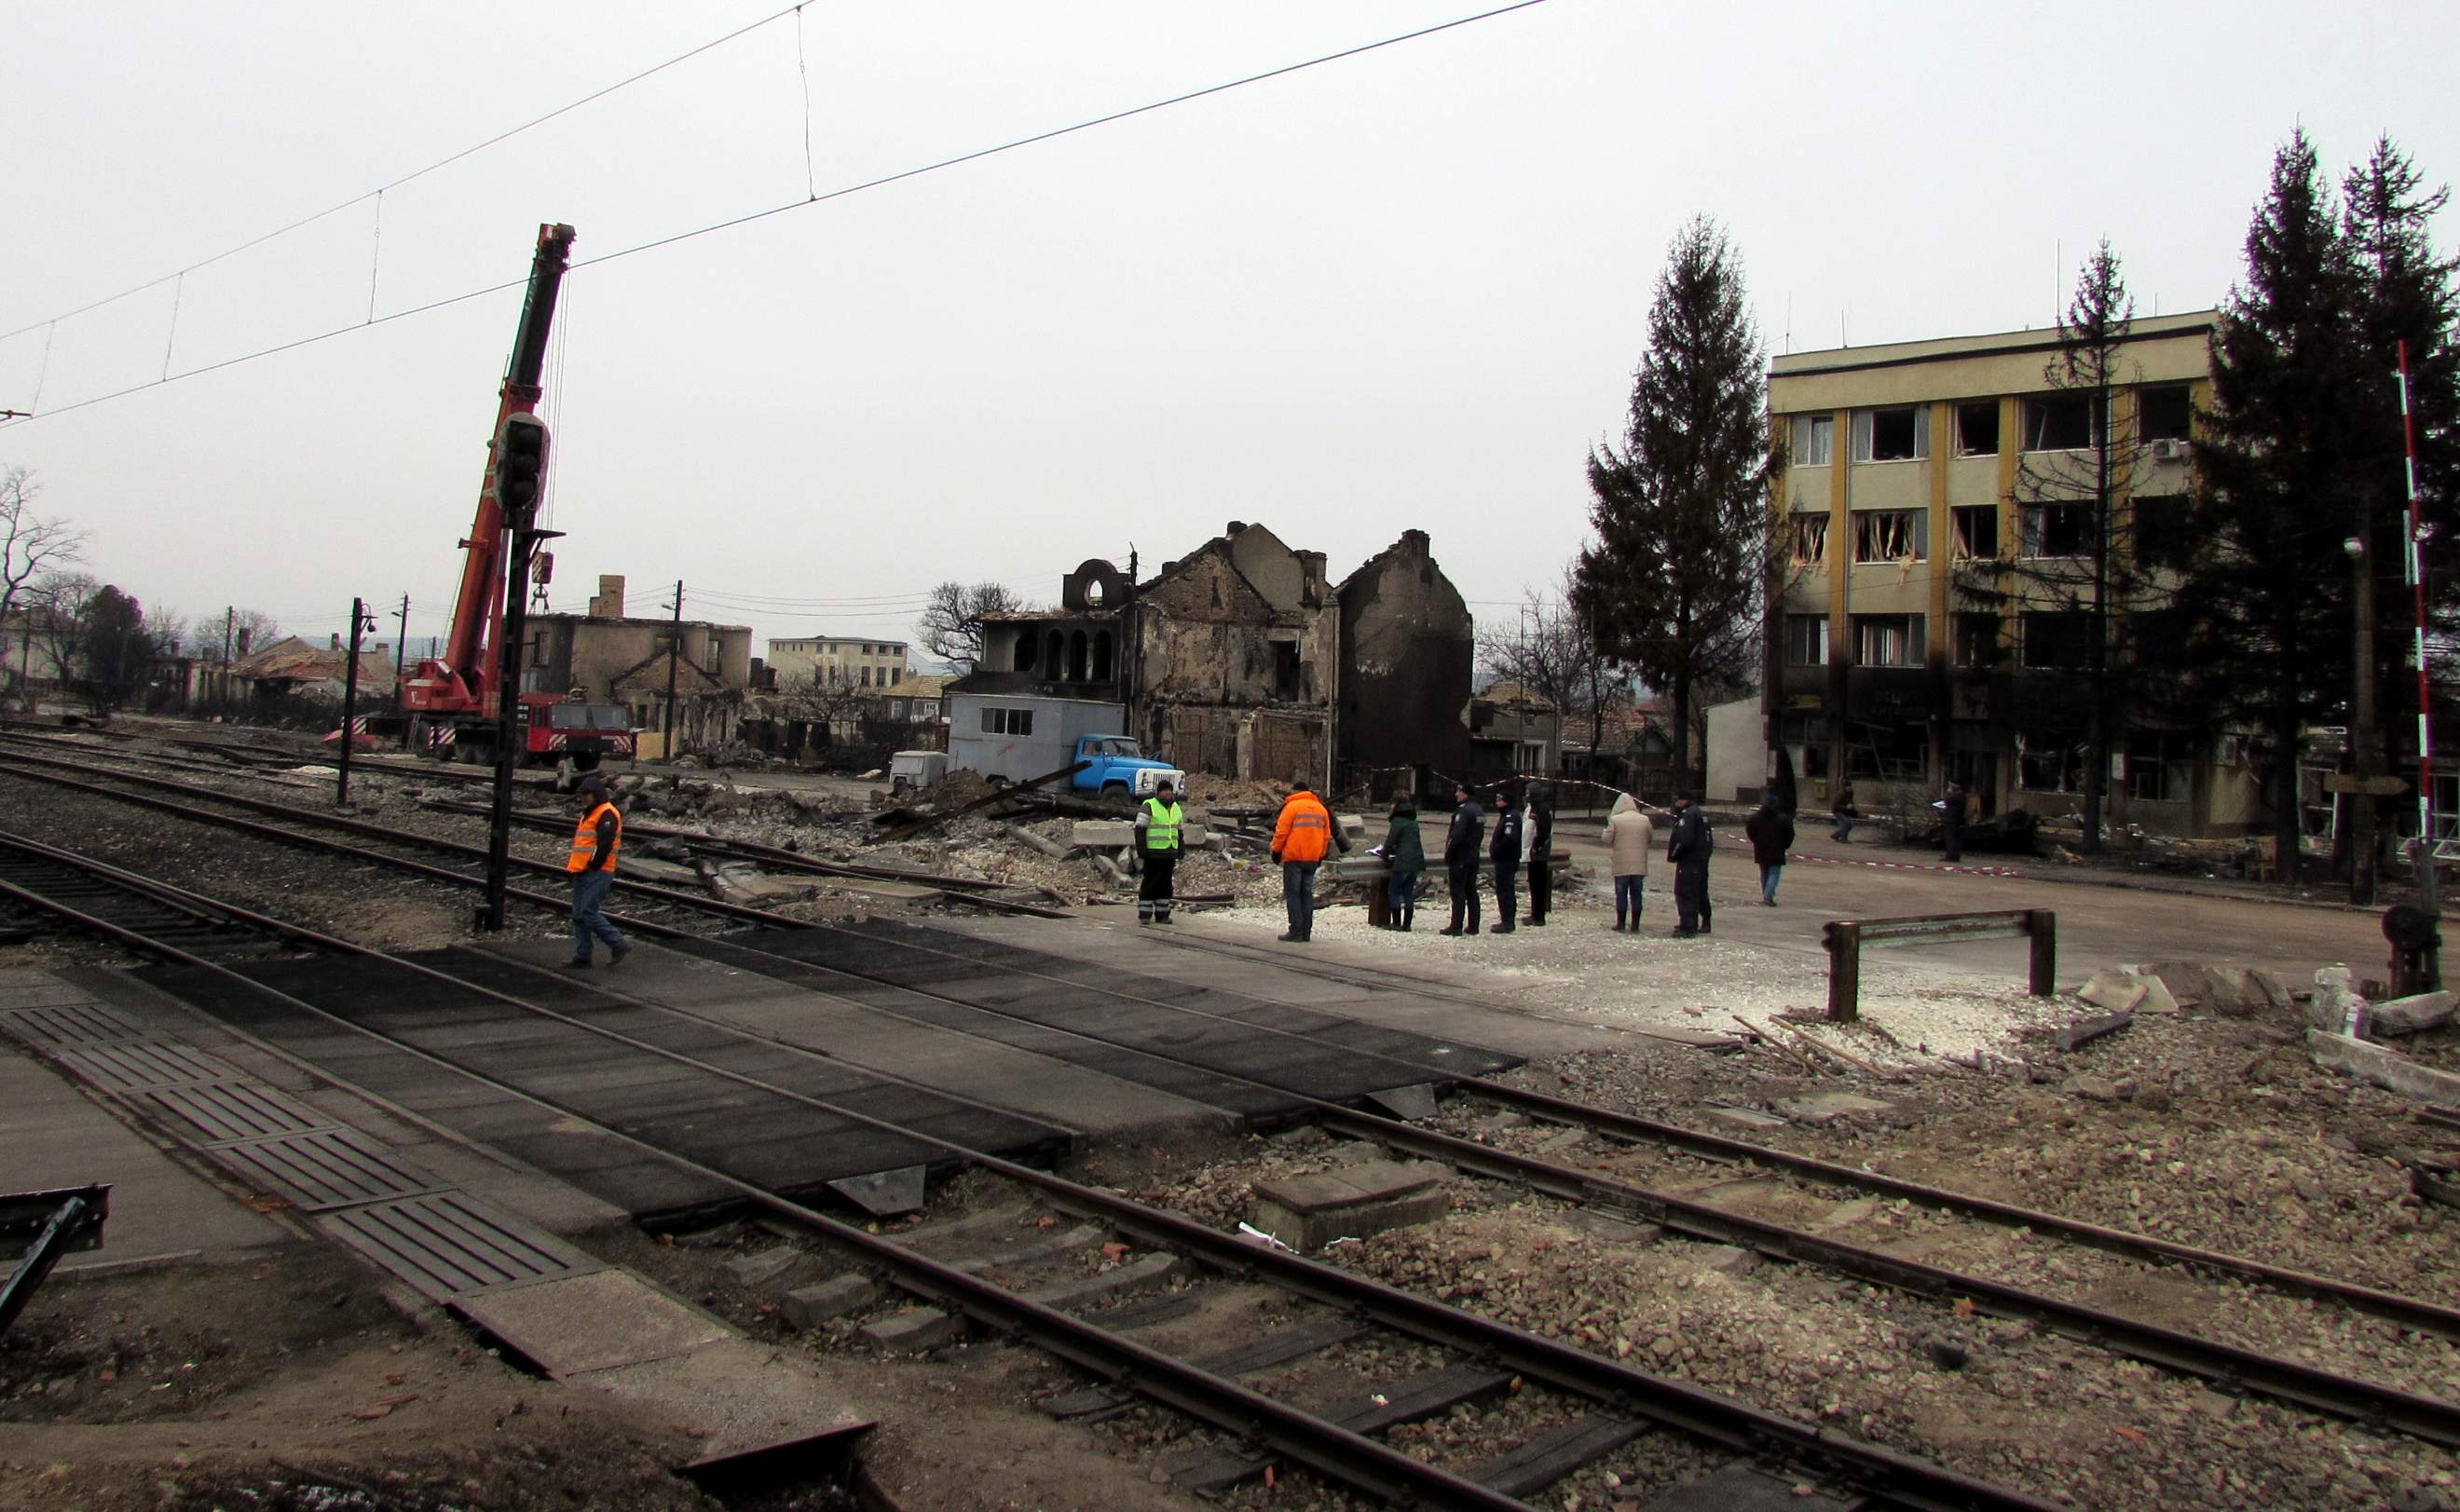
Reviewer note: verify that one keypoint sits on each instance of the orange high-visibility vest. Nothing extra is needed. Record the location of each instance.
(584, 840)
(1304, 829)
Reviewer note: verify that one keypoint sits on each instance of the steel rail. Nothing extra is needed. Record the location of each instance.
(1339, 1455)
(2407, 1312)
(1898, 1480)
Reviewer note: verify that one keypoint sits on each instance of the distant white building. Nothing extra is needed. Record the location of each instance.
(833, 661)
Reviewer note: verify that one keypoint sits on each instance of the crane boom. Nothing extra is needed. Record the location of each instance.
(462, 682)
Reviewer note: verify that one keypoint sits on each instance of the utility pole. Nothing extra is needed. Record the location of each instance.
(1126, 648)
(2415, 558)
(2363, 743)
(230, 618)
(360, 622)
(675, 654)
(401, 650)
(518, 467)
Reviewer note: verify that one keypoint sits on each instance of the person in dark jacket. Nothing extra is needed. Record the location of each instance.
(1845, 814)
(1540, 849)
(1689, 850)
(1504, 851)
(1772, 830)
(1407, 856)
(1951, 823)
(1461, 843)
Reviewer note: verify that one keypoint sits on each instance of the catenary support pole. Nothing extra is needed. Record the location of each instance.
(2415, 557)
(2364, 741)
(350, 703)
(675, 654)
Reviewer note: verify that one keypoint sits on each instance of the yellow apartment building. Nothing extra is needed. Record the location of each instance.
(1901, 483)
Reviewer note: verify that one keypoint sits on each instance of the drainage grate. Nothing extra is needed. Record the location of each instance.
(71, 1023)
(447, 1244)
(129, 1067)
(327, 1168)
(232, 1110)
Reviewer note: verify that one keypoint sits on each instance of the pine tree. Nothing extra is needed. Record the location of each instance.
(1675, 584)
(2103, 579)
(2269, 598)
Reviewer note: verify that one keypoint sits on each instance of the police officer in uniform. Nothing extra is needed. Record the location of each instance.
(1158, 826)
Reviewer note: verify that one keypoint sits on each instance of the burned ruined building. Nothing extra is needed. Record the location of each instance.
(1239, 660)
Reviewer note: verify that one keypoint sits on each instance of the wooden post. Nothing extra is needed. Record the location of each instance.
(2042, 925)
(1844, 940)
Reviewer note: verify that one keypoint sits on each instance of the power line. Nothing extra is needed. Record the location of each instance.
(744, 220)
(416, 174)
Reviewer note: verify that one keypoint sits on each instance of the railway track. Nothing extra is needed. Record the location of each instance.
(1603, 1405)
(2233, 1368)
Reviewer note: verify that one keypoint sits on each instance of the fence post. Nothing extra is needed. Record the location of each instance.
(2042, 925)
(1844, 941)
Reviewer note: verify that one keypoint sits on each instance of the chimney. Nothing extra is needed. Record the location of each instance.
(1418, 540)
(609, 603)
(1234, 527)
(245, 636)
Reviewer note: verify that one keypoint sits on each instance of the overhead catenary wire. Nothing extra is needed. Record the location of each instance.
(411, 177)
(714, 227)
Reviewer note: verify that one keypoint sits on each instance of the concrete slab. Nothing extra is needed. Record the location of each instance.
(595, 1321)
(734, 1393)
(957, 1063)
(56, 1136)
(1307, 1212)
(2379, 1064)
(1744, 1117)
(1827, 1107)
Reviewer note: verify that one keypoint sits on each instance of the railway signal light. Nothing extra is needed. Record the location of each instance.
(521, 463)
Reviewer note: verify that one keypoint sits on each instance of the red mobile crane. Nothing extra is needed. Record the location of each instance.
(451, 699)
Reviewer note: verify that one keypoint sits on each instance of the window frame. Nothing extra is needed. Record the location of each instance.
(1807, 426)
(1869, 526)
(2186, 420)
(2031, 540)
(2079, 621)
(1866, 433)
(1959, 545)
(1998, 428)
(1807, 527)
(1799, 627)
(1912, 628)
(2035, 430)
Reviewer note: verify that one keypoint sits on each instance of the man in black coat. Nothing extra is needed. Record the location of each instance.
(1504, 851)
(1689, 850)
(1770, 828)
(1462, 844)
(1951, 823)
(1541, 849)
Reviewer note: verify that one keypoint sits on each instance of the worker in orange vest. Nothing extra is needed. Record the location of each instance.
(595, 841)
(1302, 836)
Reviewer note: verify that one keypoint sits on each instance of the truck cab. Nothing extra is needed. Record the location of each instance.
(1116, 767)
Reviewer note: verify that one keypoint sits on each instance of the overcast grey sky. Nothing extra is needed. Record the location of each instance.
(1408, 288)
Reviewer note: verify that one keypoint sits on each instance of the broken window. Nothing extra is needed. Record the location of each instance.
(1810, 541)
(1977, 428)
(1076, 657)
(1102, 657)
(1889, 535)
(1025, 647)
(2165, 413)
(2058, 637)
(1814, 440)
(2058, 530)
(1806, 640)
(2061, 423)
(1900, 434)
(1977, 639)
(1285, 669)
(1885, 641)
(2049, 761)
(1977, 531)
(2161, 766)
(1888, 752)
(2161, 530)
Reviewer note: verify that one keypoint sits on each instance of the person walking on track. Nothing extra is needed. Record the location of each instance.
(1302, 836)
(1629, 836)
(1406, 855)
(1689, 849)
(1461, 845)
(595, 842)
(1158, 827)
(1504, 849)
(1537, 855)
(1771, 829)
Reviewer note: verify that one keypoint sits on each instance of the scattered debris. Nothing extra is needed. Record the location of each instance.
(2088, 1030)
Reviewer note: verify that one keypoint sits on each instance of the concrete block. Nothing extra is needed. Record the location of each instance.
(2104, 1089)
(1102, 834)
(1144, 1274)
(1745, 1118)
(762, 1266)
(1731, 1259)
(809, 1307)
(2406, 1016)
(1307, 1212)
(1827, 1107)
(2234, 991)
(912, 1333)
(2125, 992)
(2383, 1067)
